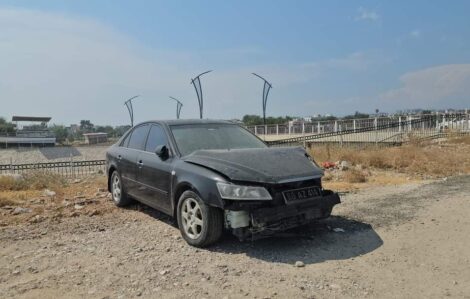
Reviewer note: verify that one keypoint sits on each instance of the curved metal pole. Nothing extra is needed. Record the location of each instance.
(197, 86)
(128, 104)
(179, 105)
(266, 88)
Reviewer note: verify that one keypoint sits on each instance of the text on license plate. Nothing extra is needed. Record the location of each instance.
(301, 194)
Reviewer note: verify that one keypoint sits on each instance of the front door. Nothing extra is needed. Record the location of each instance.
(155, 173)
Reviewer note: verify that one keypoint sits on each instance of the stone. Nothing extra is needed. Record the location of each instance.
(48, 193)
(299, 264)
(78, 207)
(36, 219)
(338, 230)
(344, 165)
(93, 213)
(20, 210)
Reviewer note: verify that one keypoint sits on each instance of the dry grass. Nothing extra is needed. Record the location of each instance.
(430, 160)
(5, 201)
(32, 181)
(30, 194)
(460, 140)
(354, 176)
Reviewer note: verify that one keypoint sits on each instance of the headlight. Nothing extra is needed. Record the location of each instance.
(237, 192)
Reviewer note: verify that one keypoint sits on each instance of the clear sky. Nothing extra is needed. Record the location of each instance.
(77, 60)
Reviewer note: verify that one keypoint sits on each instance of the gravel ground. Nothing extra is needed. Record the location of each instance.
(52, 154)
(408, 241)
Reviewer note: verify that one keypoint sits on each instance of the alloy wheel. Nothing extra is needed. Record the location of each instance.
(191, 215)
(116, 188)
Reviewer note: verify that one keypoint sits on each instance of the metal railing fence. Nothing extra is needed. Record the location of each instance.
(69, 169)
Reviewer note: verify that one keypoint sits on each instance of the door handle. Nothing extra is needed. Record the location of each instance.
(119, 157)
(140, 163)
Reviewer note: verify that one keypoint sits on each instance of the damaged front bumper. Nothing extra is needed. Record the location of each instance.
(265, 221)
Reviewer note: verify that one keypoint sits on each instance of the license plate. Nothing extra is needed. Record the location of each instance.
(296, 195)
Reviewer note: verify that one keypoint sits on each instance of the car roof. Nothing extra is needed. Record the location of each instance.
(172, 122)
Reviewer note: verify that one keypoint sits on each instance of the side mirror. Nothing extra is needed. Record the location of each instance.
(162, 151)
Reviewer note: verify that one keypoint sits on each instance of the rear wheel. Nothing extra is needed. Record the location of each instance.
(120, 197)
(200, 225)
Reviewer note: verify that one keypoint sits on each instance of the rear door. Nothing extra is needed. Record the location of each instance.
(128, 158)
(155, 173)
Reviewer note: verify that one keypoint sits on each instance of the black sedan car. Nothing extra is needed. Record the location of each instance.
(215, 175)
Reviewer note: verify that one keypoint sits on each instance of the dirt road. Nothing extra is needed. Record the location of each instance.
(409, 241)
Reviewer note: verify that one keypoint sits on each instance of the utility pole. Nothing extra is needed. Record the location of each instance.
(197, 86)
(266, 87)
(128, 104)
(179, 105)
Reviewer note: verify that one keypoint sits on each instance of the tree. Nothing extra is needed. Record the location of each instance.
(256, 120)
(60, 133)
(5, 126)
(86, 126)
(357, 115)
(120, 130)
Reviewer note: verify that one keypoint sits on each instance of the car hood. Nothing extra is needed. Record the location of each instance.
(264, 165)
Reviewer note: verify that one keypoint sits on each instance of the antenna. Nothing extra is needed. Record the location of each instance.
(197, 86)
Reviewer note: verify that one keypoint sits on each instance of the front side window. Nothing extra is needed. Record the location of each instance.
(156, 137)
(138, 137)
(190, 138)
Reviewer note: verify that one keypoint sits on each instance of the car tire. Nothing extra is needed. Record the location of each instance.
(118, 192)
(200, 225)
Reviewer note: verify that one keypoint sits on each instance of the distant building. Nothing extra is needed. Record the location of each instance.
(73, 129)
(29, 131)
(94, 138)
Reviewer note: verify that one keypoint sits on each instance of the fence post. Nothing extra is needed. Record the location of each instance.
(277, 129)
(376, 132)
(318, 128)
(71, 165)
(336, 126)
(303, 132)
(399, 124)
(265, 129)
(256, 130)
(468, 120)
(354, 125)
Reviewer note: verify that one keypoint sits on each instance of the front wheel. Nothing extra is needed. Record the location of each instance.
(200, 225)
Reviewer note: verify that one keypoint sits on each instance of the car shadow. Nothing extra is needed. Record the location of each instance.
(336, 238)
(156, 214)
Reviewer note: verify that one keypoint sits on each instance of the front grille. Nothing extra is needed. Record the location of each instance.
(276, 190)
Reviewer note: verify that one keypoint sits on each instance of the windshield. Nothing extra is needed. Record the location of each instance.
(190, 138)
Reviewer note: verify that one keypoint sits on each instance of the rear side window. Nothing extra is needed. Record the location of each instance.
(156, 137)
(125, 142)
(138, 137)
